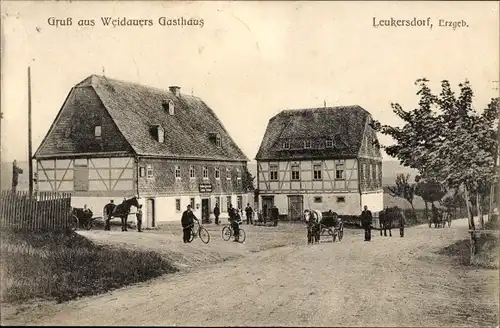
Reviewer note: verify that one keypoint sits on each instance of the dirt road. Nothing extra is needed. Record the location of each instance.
(386, 282)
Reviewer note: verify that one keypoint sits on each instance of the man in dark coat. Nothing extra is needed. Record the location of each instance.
(275, 215)
(249, 214)
(108, 211)
(235, 220)
(187, 222)
(15, 175)
(139, 218)
(216, 213)
(366, 223)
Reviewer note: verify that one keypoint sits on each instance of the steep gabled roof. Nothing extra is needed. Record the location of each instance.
(136, 108)
(344, 124)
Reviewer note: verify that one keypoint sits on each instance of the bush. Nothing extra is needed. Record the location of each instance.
(63, 267)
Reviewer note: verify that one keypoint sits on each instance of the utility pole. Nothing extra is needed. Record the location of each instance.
(30, 151)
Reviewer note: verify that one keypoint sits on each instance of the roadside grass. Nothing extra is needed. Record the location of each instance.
(61, 267)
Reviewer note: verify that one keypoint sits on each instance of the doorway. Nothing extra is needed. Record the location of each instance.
(205, 210)
(267, 203)
(150, 210)
(295, 207)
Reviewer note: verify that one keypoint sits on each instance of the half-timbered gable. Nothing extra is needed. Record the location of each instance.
(118, 139)
(318, 158)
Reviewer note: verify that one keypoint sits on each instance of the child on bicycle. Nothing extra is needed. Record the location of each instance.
(187, 222)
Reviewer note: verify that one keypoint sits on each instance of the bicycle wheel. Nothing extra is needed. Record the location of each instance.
(204, 235)
(226, 233)
(242, 236)
(192, 235)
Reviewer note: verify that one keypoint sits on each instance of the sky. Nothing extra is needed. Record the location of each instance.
(249, 61)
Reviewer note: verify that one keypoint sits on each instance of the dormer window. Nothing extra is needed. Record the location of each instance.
(286, 144)
(329, 143)
(160, 134)
(169, 106)
(218, 141)
(97, 131)
(307, 144)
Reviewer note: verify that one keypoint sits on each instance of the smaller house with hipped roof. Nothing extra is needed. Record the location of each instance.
(114, 139)
(320, 158)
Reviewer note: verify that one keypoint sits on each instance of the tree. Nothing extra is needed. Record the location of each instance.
(447, 141)
(430, 191)
(248, 184)
(403, 189)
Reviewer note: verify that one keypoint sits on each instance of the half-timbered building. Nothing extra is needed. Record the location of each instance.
(113, 139)
(320, 158)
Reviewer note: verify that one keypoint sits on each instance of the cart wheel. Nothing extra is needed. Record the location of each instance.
(204, 235)
(226, 233)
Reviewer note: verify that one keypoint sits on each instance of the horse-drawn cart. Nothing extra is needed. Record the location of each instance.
(323, 224)
(82, 218)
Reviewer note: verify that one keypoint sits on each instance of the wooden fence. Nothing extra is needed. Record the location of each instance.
(39, 212)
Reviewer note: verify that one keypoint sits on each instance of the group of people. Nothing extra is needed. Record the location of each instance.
(385, 221)
(109, 210)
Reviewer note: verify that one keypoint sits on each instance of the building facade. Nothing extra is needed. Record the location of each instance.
(114, 139)
(322, 159)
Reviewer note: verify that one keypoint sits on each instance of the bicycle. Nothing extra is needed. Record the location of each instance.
(201, 232)
(228, 232)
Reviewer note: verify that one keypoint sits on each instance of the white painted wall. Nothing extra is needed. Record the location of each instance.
(351, 206)
(374, 201)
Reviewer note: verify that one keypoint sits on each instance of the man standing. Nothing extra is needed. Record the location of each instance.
(275, 215)
(108, 211)
(139, 218)
(187, 222)
(249, 213)
(216, 213)
(15, 175)
(366, 222)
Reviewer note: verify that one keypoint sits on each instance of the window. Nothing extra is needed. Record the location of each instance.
(149, 171)
(239, 202)
(228, 173)
(218, 142)
(238, 174)
(97, 131)
(142, 172)
(177, 171)
(340, 199)
(273, 172)
(329, 143)
(171, 107)
(295, 172)
(317, 172)
(318, 199)
(228, 202)
(286, 144)
(205, 172)
(339, 171)
(192, 172)
(161, 134)
(217, 173)
(307, 144)
(178, 205)
(191, 201)
(374, 172)
(366, 172)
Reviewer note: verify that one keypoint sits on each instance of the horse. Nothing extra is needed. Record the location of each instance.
(312, 219)
(123, 210)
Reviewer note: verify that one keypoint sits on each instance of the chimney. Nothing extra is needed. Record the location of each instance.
(175, 90)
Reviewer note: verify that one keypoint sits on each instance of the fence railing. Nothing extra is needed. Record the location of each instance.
(43, 211)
